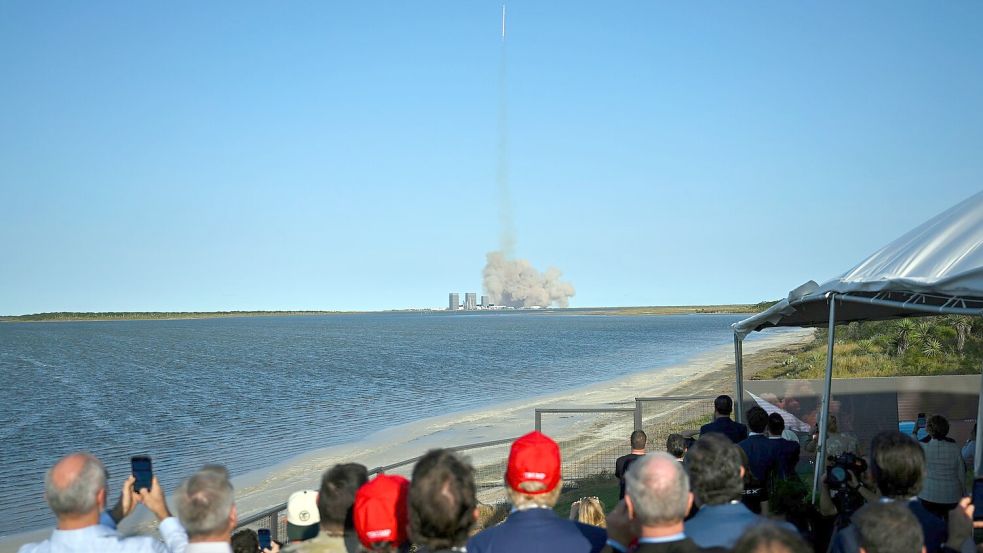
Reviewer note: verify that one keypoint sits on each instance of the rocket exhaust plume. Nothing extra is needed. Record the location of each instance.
(516, 283)
(508, 281)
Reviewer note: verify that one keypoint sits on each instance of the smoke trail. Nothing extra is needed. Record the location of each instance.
(508, 281)
(507, 237)
(516, 283)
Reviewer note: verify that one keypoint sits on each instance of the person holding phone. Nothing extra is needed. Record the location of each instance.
(76, 490)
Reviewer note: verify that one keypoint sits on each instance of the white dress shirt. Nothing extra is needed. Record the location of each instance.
(103, 537)
(209, 547)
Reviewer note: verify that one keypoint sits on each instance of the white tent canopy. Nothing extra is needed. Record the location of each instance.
(935, 269)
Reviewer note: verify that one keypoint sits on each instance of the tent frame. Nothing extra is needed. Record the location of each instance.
(906, 304)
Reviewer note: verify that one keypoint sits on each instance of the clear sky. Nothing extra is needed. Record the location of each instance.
(292, 155)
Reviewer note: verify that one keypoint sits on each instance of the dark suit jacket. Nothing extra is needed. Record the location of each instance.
(621, 466)
(685, 545)
(736, 431)
(934, 531)
(538, 531)
(764, 456)
(789, 453)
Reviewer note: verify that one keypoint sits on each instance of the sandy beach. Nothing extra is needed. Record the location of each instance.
(709, 373)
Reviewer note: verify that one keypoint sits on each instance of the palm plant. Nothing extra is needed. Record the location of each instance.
(905, 332)
(963, 326)
(867, 347)
(932, 348)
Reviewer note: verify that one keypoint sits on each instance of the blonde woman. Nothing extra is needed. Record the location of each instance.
(588, 510)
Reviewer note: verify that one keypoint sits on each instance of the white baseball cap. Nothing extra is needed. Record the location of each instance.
(302, 515)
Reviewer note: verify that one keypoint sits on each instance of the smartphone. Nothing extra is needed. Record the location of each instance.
(264, 539)
(920, 421)
(143, 471)
(978, 498)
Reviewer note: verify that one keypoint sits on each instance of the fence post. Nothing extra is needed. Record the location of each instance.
(638, 414)
(275, 526)
(539, 421)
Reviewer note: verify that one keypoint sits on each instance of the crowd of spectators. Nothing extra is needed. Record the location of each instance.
(707, 495)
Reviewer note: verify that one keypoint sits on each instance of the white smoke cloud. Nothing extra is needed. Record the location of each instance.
(516, 283)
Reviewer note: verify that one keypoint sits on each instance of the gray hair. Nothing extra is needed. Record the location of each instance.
(78, 496)
(205, 500)
(658, 488)
(888, 528)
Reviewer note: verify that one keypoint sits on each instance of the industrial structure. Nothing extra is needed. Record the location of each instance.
(470, 302)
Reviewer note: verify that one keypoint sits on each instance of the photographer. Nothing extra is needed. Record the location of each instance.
(898, 470)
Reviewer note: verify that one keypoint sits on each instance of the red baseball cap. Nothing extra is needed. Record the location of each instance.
(380, 510)
(534, 458)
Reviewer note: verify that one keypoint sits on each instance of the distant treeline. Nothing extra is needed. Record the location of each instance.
(950, 344)
(153, 315)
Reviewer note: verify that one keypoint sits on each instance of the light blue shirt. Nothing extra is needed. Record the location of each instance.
(664, 539)
(103, 537)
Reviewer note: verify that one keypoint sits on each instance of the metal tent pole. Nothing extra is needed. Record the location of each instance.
(827, 392)
(978, 454)
(739, 388)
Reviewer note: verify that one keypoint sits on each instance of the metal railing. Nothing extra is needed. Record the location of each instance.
(589, 447)
(489, 467)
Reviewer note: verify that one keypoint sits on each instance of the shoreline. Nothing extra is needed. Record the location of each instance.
(707, 373)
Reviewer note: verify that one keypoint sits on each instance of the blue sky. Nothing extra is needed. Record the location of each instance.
(290, 155)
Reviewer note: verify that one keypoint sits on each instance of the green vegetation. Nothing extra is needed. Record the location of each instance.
(153, 315)
(906, 347)
(603, 486)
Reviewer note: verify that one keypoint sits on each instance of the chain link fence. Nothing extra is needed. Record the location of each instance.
(487, 458)
(661, 416)
(590, 441)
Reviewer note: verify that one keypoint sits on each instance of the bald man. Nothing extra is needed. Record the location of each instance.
(75, 489)
(657, 498)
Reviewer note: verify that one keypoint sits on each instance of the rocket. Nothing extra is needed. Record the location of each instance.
(503, 21)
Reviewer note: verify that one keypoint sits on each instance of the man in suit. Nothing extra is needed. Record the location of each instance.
(764, 455)
(789, 450)
(657, 498)
(722, 407)
(533, 483)
(717, 477)
(638, 440)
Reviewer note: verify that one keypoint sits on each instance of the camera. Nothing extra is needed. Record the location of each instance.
(837, 468)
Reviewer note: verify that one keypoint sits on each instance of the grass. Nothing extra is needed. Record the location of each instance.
(603, 486)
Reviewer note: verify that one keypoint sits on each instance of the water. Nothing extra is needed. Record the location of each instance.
(252, 392)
